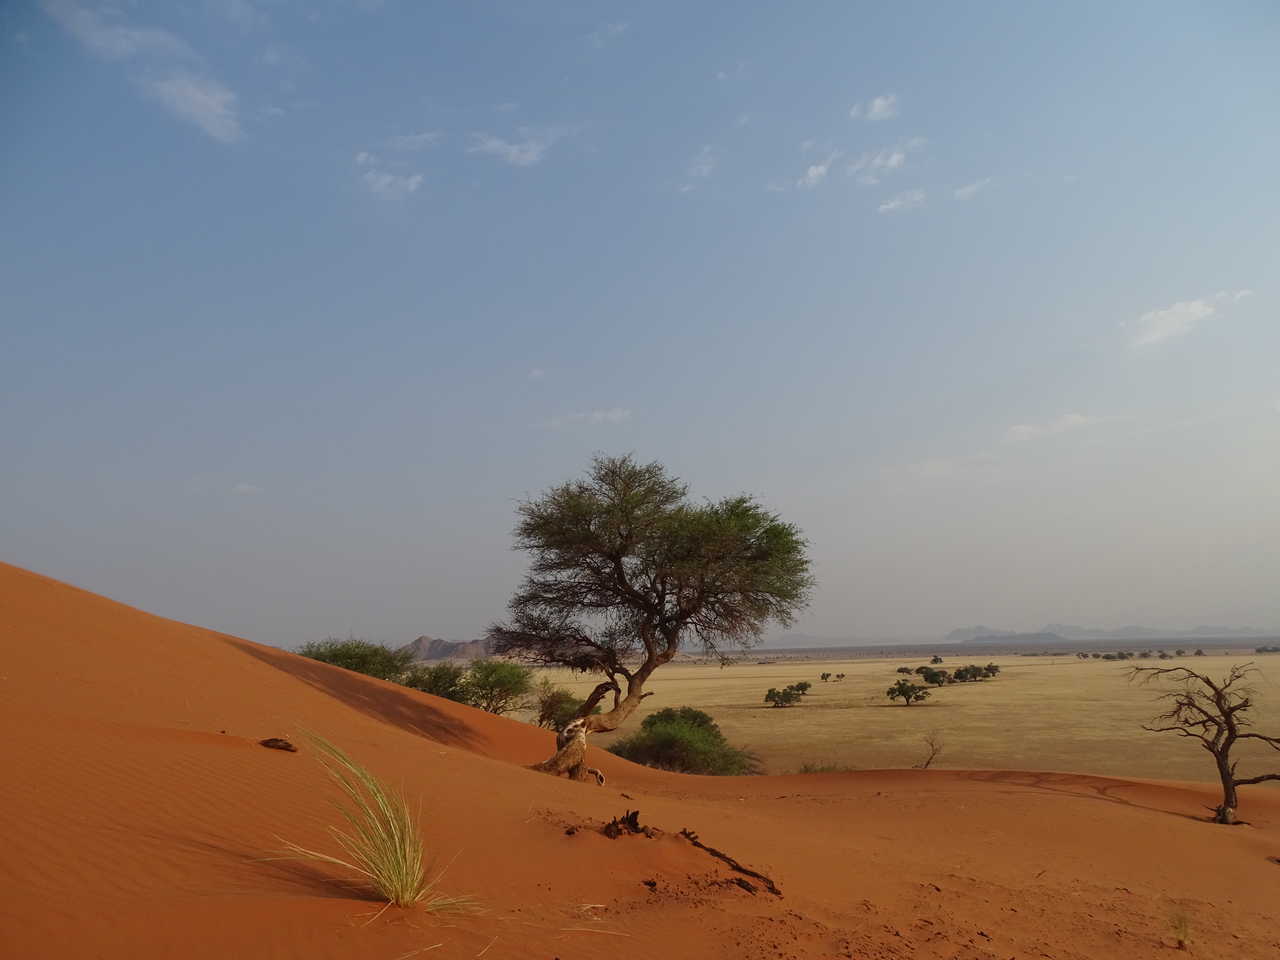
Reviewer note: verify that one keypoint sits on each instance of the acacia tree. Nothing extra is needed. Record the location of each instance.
(1215, 713)
(625, 570)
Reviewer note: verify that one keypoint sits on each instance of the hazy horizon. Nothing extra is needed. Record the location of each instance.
(300, 300)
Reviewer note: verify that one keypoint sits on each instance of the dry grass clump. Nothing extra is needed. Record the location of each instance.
(383, 846)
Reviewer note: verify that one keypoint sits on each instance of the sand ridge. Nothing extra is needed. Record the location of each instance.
(138, 804)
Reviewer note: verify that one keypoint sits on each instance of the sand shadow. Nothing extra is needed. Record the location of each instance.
(372, 698)
(1073, 785)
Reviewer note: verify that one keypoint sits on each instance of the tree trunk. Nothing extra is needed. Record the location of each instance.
(570, 758)
(1227, 812)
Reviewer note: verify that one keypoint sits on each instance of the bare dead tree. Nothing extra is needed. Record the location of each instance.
(624, 570)
(932, 740)
(1215, 713)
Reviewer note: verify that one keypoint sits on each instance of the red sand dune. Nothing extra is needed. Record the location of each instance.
(136, 803)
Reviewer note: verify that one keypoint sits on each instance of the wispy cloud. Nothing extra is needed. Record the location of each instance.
(871, 166)
(172, 76)
(416, 141)
(115, 41)
(908, 200)
(609, 32)
(200, 100)
(378, 179)
(243, 489)
(1157, 326)
(968, 191)
(877, 108)
(591, 418)
(703, 163)
(817, 172)
(1068, 421)
(525, 152)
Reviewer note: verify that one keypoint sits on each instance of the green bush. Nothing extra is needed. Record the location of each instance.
(444, 679)
(908, 692)
(785, 697)
(555, 706)
(690, 715)
(497, 686)
(371, 659)
(683, 741)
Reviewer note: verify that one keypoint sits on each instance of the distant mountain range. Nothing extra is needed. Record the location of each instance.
(433, 648)
(1063, 632)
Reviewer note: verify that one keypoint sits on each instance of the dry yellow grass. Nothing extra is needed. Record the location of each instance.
(1040, 713)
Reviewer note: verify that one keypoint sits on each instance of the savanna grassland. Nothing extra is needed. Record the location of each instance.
(1040, 713)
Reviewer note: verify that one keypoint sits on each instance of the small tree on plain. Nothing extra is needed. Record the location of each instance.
(1199, 653)
(803, 687)
(1214, 712)
(936, 659)
(824, 677)
(907, 670)
(933, 742)
(936, 677)
(839, 676)
(907, 692)
(625, 570)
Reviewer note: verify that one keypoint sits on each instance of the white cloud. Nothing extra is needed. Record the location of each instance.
(114, 41)
(1234, 296)
(870, 166)
(591, 417)
(243, 489)
(379, 180)
(970, 189)
(521, 153)
(877, 108)
(610, 31)
(1156, 326)
(909, 200)
(817, 172)
(172, 77)
(703, 163)
(416, 141)
(1068, 421)
(199, 100)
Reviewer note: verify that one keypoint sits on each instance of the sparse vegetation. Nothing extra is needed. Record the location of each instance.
(825, 767)
(360, 656)
(933, 745)
(1214, 713)
(383, 845)
(907, 692)
(786, 697)
(686, 740)
(554, 706)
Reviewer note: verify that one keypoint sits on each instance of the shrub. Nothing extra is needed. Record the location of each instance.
(936, 677)
(786, 697)
(1199, 653)
(669, 740)
(840, 676)
(907, 670)
(803, 687)
(497, 686)
(824, 677)
(445, 679)
(555, 706)
(690, 715)
(936, 659)
(358, 655)
(825, 766)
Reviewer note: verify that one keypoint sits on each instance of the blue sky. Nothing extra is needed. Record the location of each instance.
(298, 299)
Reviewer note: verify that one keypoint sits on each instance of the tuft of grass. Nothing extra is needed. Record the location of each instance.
(825, 768)
(383, 846)
(1180, 923)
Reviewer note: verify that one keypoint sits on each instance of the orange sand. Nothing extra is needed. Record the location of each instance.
(135, 804)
